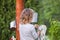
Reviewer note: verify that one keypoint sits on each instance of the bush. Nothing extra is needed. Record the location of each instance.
(54, 30)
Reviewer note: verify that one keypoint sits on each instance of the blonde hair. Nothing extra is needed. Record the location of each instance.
(27, 12)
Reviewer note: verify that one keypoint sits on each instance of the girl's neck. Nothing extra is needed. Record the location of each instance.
(25, 22)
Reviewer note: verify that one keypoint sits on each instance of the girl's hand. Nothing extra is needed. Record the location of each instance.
(36, 26)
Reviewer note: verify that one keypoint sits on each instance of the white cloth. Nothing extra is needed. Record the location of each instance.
(12, 24)
(43, 29)
(27, 32)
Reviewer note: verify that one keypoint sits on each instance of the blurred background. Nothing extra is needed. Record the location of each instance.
(48, 13)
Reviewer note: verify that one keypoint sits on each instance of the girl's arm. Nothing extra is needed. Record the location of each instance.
(34, 33)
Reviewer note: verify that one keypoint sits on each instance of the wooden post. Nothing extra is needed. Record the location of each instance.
(19, 8)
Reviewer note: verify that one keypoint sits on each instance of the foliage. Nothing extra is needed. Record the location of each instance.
(54, 30)
(7, 14)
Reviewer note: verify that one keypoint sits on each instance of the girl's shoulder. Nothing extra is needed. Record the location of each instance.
(30, 25)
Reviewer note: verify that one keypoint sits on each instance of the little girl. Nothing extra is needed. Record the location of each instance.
(27, 30)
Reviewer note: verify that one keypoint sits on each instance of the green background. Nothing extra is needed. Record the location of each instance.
(48, 13)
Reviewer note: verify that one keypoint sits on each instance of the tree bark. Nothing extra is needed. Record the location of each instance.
(19, 8)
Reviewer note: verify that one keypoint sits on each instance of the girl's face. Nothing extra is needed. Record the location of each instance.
(26, 16)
